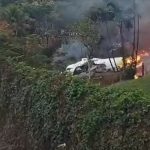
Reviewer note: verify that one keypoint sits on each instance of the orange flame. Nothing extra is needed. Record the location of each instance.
(136, 77)
(140, 57)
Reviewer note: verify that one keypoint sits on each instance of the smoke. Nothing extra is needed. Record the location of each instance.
(143, 7)
(69, 53)
(75, 49)
(75, 10)
(72, 11)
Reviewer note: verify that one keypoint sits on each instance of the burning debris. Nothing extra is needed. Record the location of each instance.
(142, 63)
(102, 66)
(117, 35)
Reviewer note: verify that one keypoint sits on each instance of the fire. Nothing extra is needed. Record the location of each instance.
(136, 77)
(139, 64)
(139, 68)
(144, 53)
(129, 61)
(139, 58)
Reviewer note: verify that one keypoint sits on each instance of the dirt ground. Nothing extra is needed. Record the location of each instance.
(107, 78)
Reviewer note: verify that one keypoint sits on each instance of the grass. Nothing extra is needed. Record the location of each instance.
(142, 83)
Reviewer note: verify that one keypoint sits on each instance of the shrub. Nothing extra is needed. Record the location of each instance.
(130, 72)
(54, 108)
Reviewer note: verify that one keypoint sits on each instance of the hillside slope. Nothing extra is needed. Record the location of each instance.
(40, 109)
(142, 83)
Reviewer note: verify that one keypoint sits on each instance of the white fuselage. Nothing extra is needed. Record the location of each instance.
(97, 61)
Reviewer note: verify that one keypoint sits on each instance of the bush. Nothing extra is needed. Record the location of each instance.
(54, 108)
(130, 73)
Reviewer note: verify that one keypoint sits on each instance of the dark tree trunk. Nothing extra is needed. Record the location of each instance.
(134, 39)
(134, 33)
(112, 51)
(47, 41)
(108, 50)
(89, 54)
(138, 37)
(122, 44)
(115, 62)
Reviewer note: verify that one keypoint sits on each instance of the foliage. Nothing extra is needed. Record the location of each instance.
(38, 12)
(47, 108)
(42, 19)
(88, 34)
(142, 83)
(15, 16)
(25, 30)
(129, 73)
(7, 2)
(56, 108)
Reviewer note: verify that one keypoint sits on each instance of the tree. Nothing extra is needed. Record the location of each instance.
(123, 18)
(89, 37)
(7, 2)
(104, 15)
(14, 15)
(41, 15)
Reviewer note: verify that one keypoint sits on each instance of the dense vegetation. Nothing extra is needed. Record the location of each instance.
(42, 109)
(38, 29)
(25, 28)
(142, 83)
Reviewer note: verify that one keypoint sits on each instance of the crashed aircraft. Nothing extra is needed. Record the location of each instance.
(98, 64)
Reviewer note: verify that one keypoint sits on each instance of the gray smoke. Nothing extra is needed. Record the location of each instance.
(144, 10)
(74, 49)
(72, 11)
